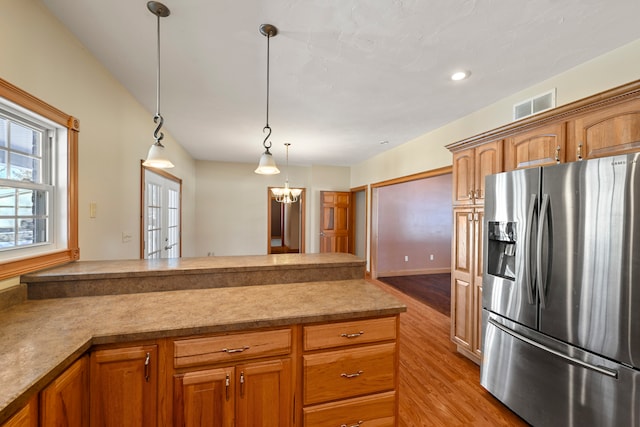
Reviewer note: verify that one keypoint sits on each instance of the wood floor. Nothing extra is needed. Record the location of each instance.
(438, 386)
(431, 289)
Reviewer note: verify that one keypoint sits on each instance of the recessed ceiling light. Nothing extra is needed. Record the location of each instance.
(460, 75)
(384, 142)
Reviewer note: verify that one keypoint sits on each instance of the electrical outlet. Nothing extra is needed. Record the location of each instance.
(126, 237)
(93, 208)
(406, 258)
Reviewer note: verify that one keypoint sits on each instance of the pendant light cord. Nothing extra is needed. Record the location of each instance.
(157, 119)
(267, 128)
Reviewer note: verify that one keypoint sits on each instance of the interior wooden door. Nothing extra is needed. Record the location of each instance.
(335, 222)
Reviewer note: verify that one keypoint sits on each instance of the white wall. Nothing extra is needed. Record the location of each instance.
(427, 152)
(40, 56)
(231, 204)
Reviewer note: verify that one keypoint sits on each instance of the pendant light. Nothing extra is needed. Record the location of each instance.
(267, 165)
(156, 157)
(286, 194)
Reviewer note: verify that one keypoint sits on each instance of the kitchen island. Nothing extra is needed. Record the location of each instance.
(41, 338)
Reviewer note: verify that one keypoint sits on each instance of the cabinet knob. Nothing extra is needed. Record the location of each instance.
(359, 423)
(470, 194)
(478, 193)
(558, 154)
(580, 151)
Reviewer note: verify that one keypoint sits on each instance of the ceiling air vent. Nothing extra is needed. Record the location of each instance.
(535, 105)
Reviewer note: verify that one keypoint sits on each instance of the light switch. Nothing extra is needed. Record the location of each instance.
(93, 207)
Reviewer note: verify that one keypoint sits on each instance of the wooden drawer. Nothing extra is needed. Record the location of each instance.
(350, 372)
(203, 351)
(348, 333)
(374, 411)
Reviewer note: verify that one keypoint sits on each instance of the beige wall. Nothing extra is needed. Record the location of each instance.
(231, 204)
(225, 203)
(41, 56)
(427, 152)
(414, 220)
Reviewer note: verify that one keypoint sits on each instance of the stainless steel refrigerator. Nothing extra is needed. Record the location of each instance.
(561, 292)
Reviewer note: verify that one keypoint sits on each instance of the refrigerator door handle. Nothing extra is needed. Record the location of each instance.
(541, 282)
(600, 369)
(529, 280)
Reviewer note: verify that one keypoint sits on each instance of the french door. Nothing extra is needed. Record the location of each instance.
(162, 211)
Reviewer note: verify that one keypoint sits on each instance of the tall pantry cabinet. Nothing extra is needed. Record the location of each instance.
(470, 166)
(605, 124)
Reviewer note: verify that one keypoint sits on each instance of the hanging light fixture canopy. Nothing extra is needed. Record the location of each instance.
(267, 165)
(286, 194)
(156, 157)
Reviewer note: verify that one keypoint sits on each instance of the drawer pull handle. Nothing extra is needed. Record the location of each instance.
(357, 374)
(354, 335)
(359, 423)
(235, 350)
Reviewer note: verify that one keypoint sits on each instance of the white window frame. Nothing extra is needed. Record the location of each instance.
(62, 244)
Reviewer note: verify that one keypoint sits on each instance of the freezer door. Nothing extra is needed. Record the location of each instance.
(549, 383)
(511, 212)
(590, 256)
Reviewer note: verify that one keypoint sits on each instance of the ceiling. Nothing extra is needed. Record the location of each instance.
(345, 75)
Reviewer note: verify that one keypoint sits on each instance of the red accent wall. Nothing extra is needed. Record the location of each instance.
(415, 220)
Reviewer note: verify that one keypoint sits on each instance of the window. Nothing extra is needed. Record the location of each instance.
(38, 184)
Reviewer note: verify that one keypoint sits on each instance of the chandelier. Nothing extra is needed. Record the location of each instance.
(286, 194)
(156, 157)
(267, 165)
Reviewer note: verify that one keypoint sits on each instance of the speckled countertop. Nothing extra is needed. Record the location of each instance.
(162, 267)
(41, 338)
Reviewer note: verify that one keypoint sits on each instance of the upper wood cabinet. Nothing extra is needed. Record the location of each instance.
(606, 132)
(470, 168)
(541, 146)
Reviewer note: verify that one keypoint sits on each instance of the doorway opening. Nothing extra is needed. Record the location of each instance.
(286, 225)
(161, 215)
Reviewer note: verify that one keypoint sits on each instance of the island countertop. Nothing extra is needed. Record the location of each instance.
(41, 338)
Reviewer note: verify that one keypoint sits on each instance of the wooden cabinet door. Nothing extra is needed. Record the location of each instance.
(335, 221)
(25, 417)
(124, 386)
(204, 398)
(264, 394)
(462, 275)
(478, 231)
(607, 132)
(463, 177)
(487, 161)
(65, 402)
(544, 145)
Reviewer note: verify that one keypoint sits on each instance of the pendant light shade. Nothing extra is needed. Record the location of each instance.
(156, 158)
(267, 165)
